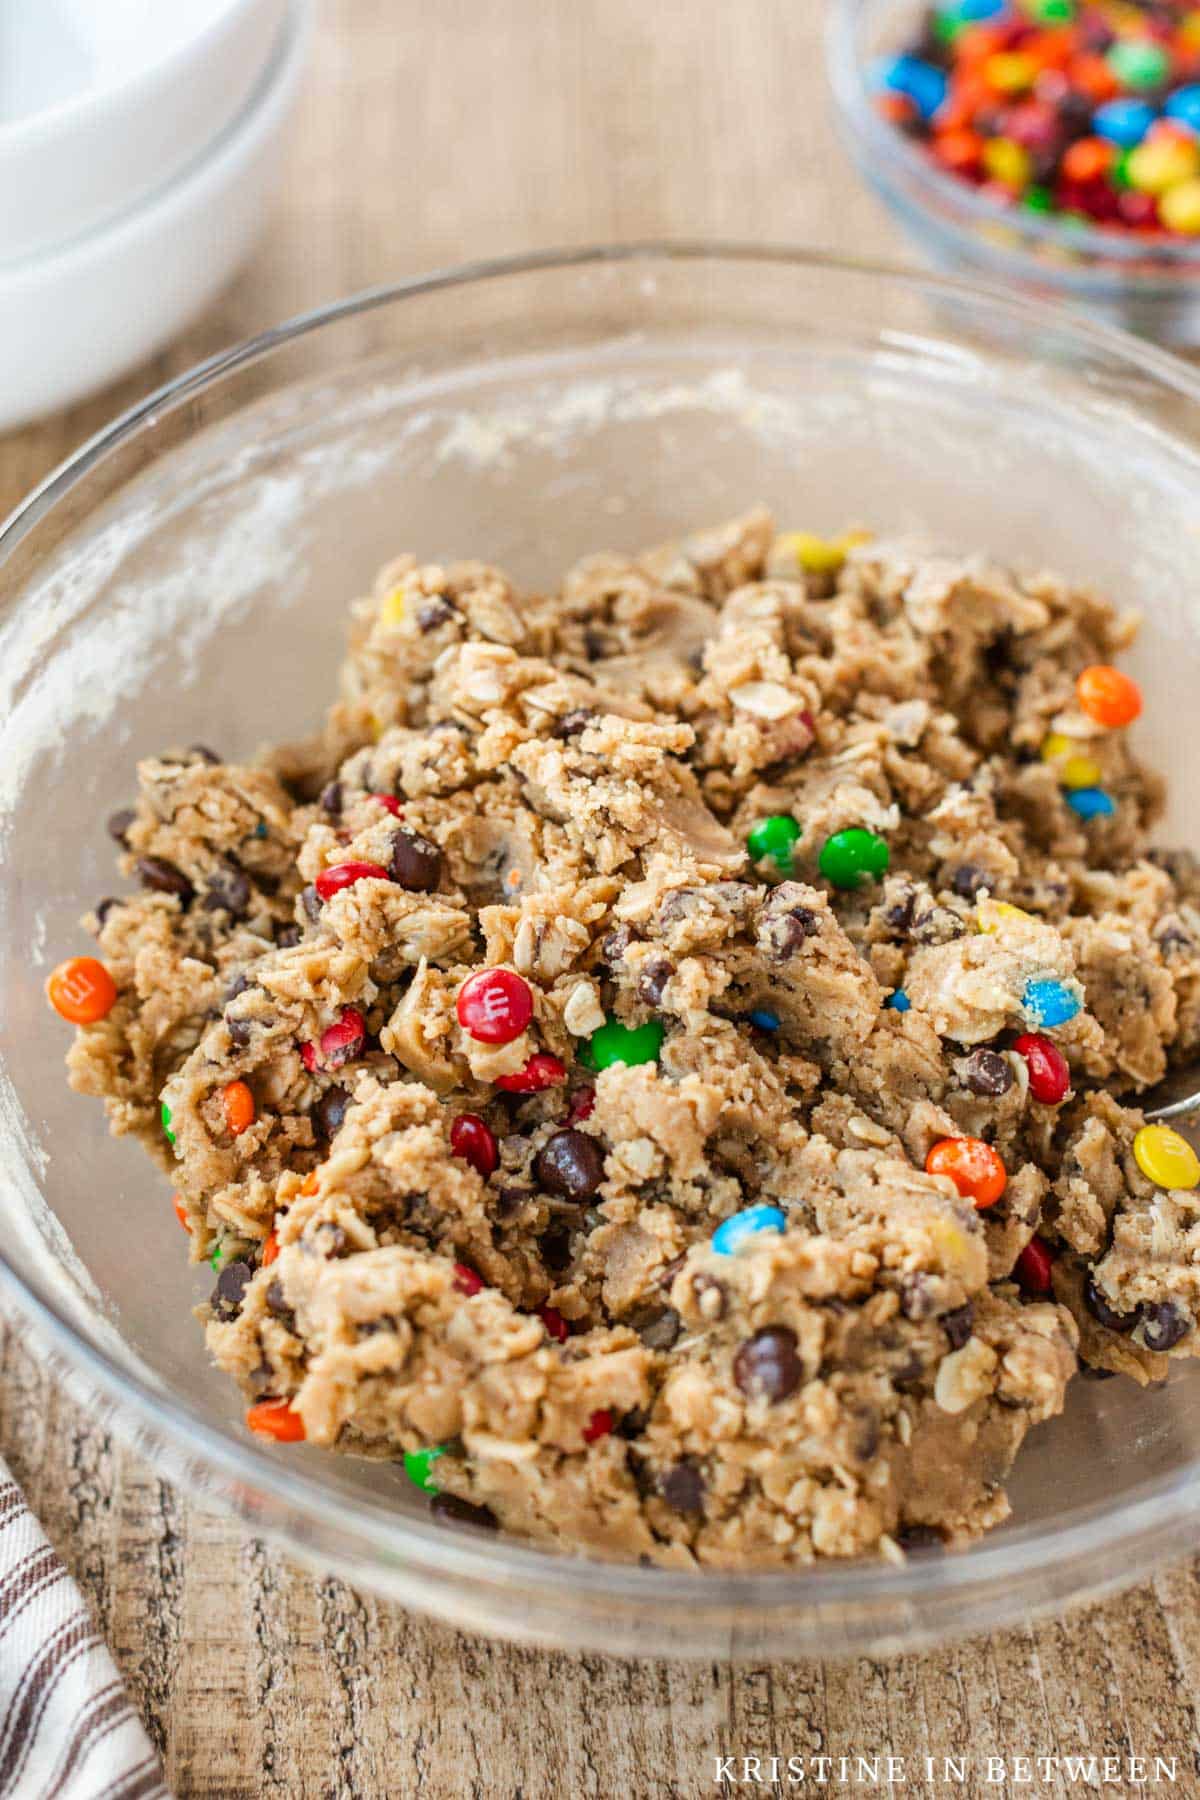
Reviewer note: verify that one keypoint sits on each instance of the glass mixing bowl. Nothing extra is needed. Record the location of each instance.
(185, 578)
(1145, 284)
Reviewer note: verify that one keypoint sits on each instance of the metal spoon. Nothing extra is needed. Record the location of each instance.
(1178, 1097)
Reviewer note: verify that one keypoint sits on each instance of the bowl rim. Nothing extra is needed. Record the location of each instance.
(966, 207)
(1150, 1523)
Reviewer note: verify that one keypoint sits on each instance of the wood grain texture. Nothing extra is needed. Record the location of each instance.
(429, 134)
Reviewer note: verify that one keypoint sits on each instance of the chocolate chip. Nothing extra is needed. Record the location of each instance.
(119, 823)
(989, 1073)
(1163, 1325)
(277, 1301)
(573, 722)
(416, 863)
(657, 1326)
(239, 1032)
(228, 890)
(898, 917)
(103, 908)
(157, 873)
(1103, 1313)
(958, 1325)
(203, 754)
(331, 798)
(767, 1366)
(683, 1488)
(330, 1111)
(616, 944)
(434, 613)
(653, 980)
(919, 1537)
(238, 985)
(310, 900)
(331, 1239)
(917, 1298)
(570, 1164)
(287, 936)
(554, 1248)
(230, 1290)
(453, 1511)
(789, 932)
(968, 880)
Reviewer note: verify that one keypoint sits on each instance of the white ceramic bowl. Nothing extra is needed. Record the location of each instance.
(74, 320)
(105, 102)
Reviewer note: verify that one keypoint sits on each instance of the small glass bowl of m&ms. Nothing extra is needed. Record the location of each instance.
(1051, 143)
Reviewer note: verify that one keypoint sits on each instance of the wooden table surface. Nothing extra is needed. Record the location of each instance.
(429, 134)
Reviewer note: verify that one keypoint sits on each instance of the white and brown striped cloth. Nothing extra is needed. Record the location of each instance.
(67, 1728)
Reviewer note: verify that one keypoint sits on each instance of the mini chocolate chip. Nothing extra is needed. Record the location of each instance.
(898, 918)
(510, 1198)
(958, 1325)
(968, 880)
(434, 613)
(631, 1424)
(554, 1248)
(616, 944)
(789, 932)
(119, 823)
(331, 798)
(573, 722)
(653, 980)
(204, 754)
(277, 1301)
(866, 1436)
(330, 1111)
(917, 1299)
(237, 986)
(683, 1488)
(657, 1326)
(416, 863)
(310, 900)
(229, 890)
(453, 1511)
(103, 908)
(331, 1239)
(1163, 1325)
(919, 1537)
(287, 936)
(594, 643)
(239, 1032)
(570, 1164)
(230, 1290)
(157, 873)
(767, 1366)
(710, 1295)
(989, 1073)
(1098, 1306)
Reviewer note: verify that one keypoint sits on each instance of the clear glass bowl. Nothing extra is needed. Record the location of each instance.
(185, 578)
(1143, 284)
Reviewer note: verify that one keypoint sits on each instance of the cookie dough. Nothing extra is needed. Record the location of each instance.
(463, 1027)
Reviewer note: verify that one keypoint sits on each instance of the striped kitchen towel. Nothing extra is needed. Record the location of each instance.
(67, 1729)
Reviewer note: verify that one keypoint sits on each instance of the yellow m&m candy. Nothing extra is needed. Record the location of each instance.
(990, 913)
(1165, 1158)
(391, 607)
(1179, 208)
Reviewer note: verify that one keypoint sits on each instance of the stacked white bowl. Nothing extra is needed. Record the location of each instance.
(139, 143)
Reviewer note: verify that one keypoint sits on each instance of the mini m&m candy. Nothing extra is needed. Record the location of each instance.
(276, 1419)
(343, 875)
(973, 1166)
(1109, 697)
(774, 838)
(898, 1002)
(238, 1105)
(1091, 802)
(494, 1006)
(471, 1139)
(555, 1324)
(849, 857)
(418, 1466)
(164, 1115)
(599, 1426)
(1048, 1070)
(466, 1281)
(1166, 1158)
(732, 1234)
(1049, 1002)
(541, 1071)
(81, 990)
(764, 1019)
(338, 1043)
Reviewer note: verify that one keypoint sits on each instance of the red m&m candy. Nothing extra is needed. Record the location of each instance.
(343, 875)
(338, 1043)
(391, 803)
(1034, 1267)
(466, 1280)
(598, 1426)
(494, 1006)
(1049, 1072)
(555, 1324)
(471, 1139)
(541, 1071)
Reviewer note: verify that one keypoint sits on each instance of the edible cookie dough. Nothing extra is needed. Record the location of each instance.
(663, 1061)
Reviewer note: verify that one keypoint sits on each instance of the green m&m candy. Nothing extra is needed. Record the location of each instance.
(419, 1463)
(617, 1043)
(776, 838)
(848, 856)
(165, 1115)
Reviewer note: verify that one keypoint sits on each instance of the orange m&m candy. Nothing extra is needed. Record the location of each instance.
(82, 990)
(973, 1166)
(270, 1250)
(1107, 696)
(181, 1212)
(275, 1419)
(238, 1102)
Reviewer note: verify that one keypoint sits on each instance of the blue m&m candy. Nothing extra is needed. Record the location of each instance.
(1090, 802)
(765, 1020)
(1123, 122)
(729, 1237)
(899, 1001)
(1048, 1002)
(918, 80)
(1184, 106)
